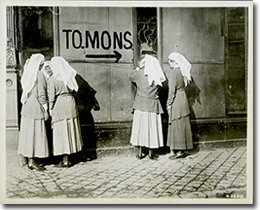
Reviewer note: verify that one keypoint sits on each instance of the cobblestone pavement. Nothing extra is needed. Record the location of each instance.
(216, 173)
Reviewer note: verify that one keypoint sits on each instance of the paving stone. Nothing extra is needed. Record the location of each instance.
(199, 176)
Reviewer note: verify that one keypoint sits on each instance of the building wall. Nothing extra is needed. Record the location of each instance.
(196, 33)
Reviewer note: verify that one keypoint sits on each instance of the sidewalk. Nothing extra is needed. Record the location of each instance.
(216, 173)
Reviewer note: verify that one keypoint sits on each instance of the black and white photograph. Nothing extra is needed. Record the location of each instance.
(127, 102)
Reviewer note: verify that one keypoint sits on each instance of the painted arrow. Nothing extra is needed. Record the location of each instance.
(116, 55)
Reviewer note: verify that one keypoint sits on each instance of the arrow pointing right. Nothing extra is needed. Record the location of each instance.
(116, 55)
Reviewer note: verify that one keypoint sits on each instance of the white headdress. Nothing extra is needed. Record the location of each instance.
(29, 76)
(153, 70)
(184, 65)
(62, 71)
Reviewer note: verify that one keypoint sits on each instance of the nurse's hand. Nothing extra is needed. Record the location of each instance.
(168, 109)
(51, 112)
(46, 115)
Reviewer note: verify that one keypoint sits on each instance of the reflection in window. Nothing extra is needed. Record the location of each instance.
(147, 27)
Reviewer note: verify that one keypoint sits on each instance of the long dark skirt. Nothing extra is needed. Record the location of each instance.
(179, 134)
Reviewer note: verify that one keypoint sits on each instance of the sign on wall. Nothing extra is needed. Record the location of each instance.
(98, 42)
(96, 34)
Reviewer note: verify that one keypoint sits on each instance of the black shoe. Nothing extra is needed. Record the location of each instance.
(172, 157)
(36, 167)
(140, 156)
(180, 155)
(153, 157)
(63, 165)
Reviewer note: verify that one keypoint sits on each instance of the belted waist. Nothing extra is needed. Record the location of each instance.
(145, 96)
(65, 94)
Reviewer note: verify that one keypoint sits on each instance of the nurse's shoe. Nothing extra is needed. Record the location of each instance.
(153, 156)
(138, 156)
(180, 154)
(63, 164)
(32, 165)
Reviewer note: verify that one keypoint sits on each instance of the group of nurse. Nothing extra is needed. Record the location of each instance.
(48, 88)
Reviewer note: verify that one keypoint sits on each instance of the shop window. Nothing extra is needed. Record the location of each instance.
(146, 31)
(35, 32)
(36, 26)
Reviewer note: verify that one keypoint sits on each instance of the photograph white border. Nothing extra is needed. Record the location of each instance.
(250, 126)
